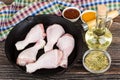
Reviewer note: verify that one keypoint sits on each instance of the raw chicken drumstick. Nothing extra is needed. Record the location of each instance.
(35, 34)
(66, 44)
(50, 59)
(54, 32)
(29, 55)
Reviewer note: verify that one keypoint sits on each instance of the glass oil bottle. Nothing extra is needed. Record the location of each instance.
(99, 37)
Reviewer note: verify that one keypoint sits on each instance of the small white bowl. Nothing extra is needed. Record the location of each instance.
(86, 11)
(71, 13)
(94, 71)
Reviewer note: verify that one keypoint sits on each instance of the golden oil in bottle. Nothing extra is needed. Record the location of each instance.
(99, 37)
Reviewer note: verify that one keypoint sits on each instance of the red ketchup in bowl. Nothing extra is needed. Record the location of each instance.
(71, 13)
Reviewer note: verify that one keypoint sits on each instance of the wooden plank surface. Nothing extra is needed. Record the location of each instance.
(77, 72)
(7, 1)
(8, 71)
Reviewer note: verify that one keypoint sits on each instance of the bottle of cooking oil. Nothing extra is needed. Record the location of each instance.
(99, 37)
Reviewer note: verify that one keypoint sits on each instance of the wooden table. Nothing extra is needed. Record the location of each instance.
(8, 71)
(77, 72)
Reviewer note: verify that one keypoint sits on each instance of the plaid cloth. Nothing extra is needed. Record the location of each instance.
(10, 15)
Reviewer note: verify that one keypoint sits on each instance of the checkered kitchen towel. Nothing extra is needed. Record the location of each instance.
(12, 14)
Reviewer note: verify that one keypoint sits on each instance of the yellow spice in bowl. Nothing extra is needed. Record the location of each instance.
(88, 15)
(96, 61)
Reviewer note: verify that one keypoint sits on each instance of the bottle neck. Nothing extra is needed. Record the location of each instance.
(100, 25)
(101, 21)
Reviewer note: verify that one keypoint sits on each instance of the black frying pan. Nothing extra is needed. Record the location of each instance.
(20, 30)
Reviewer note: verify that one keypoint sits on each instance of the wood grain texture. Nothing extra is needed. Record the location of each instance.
(77, 72)
(7, 1)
